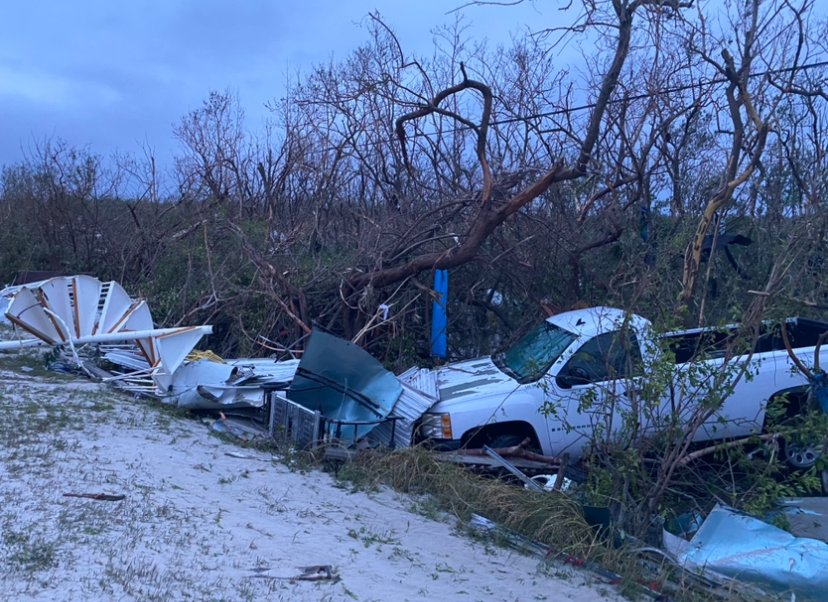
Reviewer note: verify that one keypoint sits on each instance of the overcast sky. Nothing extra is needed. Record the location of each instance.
(113, 75)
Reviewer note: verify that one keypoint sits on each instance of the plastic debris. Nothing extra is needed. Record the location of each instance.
(547, 482)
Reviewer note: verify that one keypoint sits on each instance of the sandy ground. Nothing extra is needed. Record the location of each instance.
(204, 519)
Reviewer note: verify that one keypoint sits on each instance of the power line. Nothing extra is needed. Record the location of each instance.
(645, 95)
(592, 105)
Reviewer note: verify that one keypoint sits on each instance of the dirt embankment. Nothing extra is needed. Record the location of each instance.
(205, 519)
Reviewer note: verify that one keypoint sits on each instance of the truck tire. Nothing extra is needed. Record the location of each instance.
(801, 456)
(505, 440)
(504, 434)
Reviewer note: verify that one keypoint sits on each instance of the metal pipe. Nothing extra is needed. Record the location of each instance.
(108, 337)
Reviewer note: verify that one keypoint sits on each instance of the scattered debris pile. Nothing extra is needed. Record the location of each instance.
(337, 391)
(745, 548)
(81, 311)
(355, 396)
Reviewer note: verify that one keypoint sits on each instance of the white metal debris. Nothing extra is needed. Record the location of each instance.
(73, 311)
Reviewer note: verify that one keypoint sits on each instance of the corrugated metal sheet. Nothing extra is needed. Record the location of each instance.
(127, 359)
(422, 380)
(408, 409)
(345, 383)
(266, 371)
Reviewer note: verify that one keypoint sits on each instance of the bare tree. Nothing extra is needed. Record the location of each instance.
(489, 215)
(761, 36)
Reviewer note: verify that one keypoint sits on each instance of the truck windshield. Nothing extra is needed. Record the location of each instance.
(530, 358)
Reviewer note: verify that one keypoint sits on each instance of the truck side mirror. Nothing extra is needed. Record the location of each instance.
(573, 377)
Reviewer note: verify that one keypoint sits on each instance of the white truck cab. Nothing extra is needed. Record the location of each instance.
(582, 370)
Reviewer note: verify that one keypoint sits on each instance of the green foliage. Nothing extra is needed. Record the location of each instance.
(650, 465)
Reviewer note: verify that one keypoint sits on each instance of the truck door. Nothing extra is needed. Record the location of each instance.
(594, 390)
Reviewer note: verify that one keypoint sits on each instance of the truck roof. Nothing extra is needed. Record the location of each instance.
(591, 321)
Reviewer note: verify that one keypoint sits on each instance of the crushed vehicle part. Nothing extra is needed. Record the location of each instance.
(750, 550)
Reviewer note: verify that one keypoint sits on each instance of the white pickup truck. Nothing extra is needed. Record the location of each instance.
(583, 368)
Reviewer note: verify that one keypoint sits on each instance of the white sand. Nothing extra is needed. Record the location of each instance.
(199, 524)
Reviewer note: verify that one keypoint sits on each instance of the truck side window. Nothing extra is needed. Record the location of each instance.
(604, 357)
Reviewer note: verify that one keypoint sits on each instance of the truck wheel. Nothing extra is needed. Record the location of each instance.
(505, 440)
(800, 455)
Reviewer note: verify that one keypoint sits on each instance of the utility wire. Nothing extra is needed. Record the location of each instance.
(584, 107)
(644, 95)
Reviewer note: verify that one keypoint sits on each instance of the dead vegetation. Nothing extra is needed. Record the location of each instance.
(553, 519)
(621, 183)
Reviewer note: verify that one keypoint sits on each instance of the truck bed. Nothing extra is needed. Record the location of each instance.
(708, 343)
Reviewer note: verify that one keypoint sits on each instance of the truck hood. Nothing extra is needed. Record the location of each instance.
(467, 380)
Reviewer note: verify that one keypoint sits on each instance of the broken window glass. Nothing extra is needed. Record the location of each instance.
(530, 358)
